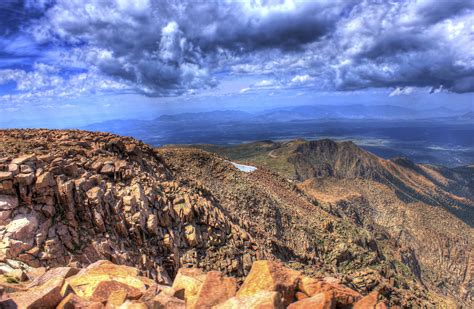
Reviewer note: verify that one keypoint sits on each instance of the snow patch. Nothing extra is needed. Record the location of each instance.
(244, 168)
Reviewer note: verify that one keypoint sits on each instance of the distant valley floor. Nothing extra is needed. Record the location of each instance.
(423, 141)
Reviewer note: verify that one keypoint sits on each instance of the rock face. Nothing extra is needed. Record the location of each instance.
(419, 215)
(73, 198)
(106, 285)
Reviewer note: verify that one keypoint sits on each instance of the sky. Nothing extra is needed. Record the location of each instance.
(65, 63)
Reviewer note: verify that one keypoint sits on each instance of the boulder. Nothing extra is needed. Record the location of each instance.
(72, 301)
(6, 176)
(22, 227)
(368, 302)
(62, 272)
(164, 301)
(8, 202)
(5, 217)
(18, 275)
(24, 158)
(86, 281)
(108, 169)
(187, 283)
(47, 295)
(259, 300)
(45, 180)
(26, 168)
(25, 179)
(104, 290)
(215, 289)
(344, 296)
(324, 300)
(14, 168)
(271, 276)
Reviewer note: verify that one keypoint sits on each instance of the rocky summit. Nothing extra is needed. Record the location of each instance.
(103, 284)
(89, 220)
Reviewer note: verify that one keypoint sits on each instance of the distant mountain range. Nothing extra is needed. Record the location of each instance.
(307, 112)
(436, 136)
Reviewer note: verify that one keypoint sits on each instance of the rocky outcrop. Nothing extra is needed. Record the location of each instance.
(77, 197)
(106, 285)
(73, 198)
(419, 215)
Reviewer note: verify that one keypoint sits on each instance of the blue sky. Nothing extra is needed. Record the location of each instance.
(70, 62)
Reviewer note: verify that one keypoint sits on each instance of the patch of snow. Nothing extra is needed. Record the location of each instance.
(244, 168)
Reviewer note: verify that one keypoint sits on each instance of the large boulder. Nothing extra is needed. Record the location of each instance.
(63, 272)
(47, 295)
(87, 280)
(324, 300)
(105, 289)
(215, 289)
(271, 276)
(8, 202)
(22, 227)
(344, 296)
(259, 300)
(201, 290)
(368, 302)
(72, 301)
(164, 301)
(187, 284)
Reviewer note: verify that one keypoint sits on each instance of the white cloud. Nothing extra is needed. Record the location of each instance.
(402, 91)
(161, 48)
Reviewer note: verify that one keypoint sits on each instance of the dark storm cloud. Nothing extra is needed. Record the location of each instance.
(163, 48)
(234, 27)
(434, 11)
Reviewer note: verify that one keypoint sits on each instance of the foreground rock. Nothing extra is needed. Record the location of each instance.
(107, 285)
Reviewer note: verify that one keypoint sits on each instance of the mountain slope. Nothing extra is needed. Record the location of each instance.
(74, 197)
(427, 210)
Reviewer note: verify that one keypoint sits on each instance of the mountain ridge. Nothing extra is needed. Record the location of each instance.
(91, 196)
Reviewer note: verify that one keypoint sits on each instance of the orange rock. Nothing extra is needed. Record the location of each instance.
(271, 276)
(152, 291)
(116, 298)
(300, 295)
(104, 289)
(204, 290)
(163, 301)
(63, 272)
(86, 281)
(259, 300)
(188, 282)
(344, 296)
(72, 301)
(324, 300)
(215, 289)
(367, 302)
(381, 305)
(47, 295)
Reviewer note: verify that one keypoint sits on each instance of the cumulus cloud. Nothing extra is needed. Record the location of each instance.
(163, 48)
(47, 82)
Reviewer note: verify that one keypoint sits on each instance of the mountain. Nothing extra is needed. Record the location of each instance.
(426, 210)
(70, 198)
(214, 116)
(354, 111)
